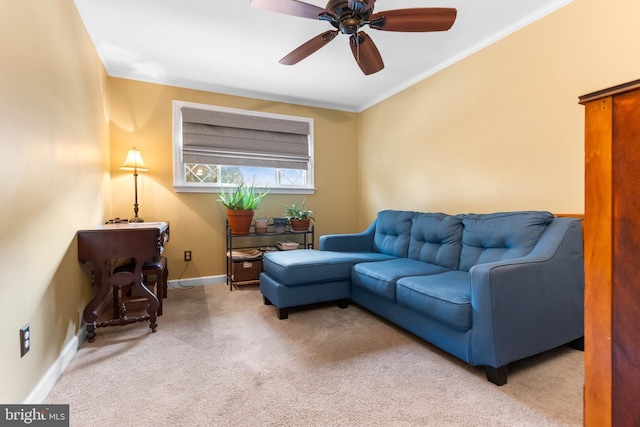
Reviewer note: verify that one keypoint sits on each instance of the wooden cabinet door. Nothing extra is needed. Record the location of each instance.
(626, 259)
(612, 256)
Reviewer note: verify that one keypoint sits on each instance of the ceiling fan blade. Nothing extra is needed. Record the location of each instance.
(289, 7)
(309, 47)
(419, 19)
(366, 53)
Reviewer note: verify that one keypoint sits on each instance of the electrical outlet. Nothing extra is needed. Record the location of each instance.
(187, 256)
(25, 340)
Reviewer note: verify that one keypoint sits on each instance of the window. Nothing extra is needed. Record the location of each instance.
(215, 147)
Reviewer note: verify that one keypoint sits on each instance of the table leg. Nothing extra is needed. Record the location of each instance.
(154, 304)
(91, 334)
(90, 314)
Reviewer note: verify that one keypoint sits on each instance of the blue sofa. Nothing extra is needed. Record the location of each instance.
(489, 289)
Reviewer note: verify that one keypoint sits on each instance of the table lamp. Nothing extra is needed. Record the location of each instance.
(134, 163)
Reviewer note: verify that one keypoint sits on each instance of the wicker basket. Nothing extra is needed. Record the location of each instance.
(246, 270)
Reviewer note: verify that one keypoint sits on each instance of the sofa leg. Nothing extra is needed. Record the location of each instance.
(266, 301)
(498, 375)
(283, 313)
(577, 344)
(343, 303)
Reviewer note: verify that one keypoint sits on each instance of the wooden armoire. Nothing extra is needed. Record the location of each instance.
(612, 256)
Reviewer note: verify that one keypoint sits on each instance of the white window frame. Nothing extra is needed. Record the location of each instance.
(179, 183)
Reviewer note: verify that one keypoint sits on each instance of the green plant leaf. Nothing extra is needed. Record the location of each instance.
(295, 211)
(242, 197)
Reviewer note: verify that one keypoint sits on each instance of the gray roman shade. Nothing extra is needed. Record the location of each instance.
(226, 138)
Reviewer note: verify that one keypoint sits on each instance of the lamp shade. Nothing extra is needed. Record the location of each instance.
(134, 161)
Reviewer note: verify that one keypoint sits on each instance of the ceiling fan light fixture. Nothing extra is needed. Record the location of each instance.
(350, 25)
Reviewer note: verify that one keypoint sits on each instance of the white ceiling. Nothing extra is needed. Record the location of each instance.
(229, 47)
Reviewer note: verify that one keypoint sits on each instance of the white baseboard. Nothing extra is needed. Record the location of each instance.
(44, 387)
(41, 391)
(198, 281)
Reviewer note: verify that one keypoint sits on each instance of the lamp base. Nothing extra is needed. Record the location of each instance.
(136, 219)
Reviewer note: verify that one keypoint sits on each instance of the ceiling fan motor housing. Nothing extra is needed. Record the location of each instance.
(348, 21)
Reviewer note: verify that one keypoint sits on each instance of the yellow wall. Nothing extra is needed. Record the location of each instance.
(141, 116)
(54, 179)
(502, 129)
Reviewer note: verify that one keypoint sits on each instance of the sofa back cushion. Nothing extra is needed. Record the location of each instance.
(436, 238)
(393, 232)
(500, 236)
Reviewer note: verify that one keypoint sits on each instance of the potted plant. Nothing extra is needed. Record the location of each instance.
(240, 202)
(299, 216)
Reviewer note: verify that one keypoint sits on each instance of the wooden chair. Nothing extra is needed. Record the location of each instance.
(154, 273)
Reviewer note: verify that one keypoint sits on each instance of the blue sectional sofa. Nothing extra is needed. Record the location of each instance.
(489, 289)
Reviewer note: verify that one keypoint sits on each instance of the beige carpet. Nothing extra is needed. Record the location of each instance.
(222, 358)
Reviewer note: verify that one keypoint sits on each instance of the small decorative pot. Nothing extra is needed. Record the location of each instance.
(261, 225)
(280, 225)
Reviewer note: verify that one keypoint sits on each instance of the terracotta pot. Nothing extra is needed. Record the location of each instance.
(300, 224)
(240, 222)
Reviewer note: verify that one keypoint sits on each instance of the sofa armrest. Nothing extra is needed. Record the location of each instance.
(356, 242)
(531, 304)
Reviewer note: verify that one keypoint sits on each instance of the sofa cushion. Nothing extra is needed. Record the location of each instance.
(500, 236)
(305, 266)
(436, 238)
(443, 297)
(393, 232)
(380, 277)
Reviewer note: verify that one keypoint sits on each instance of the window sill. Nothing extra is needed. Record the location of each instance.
(208, 189)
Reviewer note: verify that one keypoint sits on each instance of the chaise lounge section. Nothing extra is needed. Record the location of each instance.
(489, 289)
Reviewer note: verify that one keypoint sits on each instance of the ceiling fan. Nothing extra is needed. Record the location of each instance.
(348, 16)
